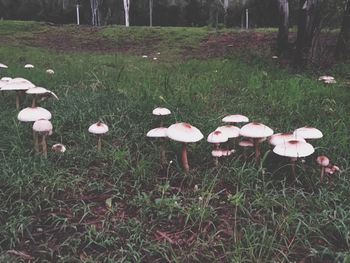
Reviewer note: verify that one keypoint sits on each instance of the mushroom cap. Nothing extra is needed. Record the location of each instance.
(58, 147)
(324, 78)
(43, 126)
(98, 128)
(308, 133)
(294, 149)
(161, 111)
(40, 90)
(235, 118)
(255, 130)
(18, 86)
(157, 132)
(217, 137)
(50, 71)
(279, 138)
(3, 65)
(230, 131)
(221, 152)
(6, 78)
(322, 160)
(246, 143)
(28, 66)
(33, 114)
(184, 132)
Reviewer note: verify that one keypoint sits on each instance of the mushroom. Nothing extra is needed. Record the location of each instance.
(327, 79)
(185, 133)
(39, 91)
(28, 66)
(294, 149)
(3, 65)
(18, 86)
(308, 133)
(235, 118)
(159, 133)
(256, 131)
(323, 161)
(50, 71)
(31, 115)
(98, 128)
(161, 112)
(230, 131)
(279, 138)
(58, 147)
(217, 137)
(44, 128)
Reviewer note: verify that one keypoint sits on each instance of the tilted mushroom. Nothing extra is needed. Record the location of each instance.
(44, 128)
(185, 133)
(323, 161)
(294, 149)
(161, 133)
(98, 128)
(3, 65)
(39, 91)
(256, 131)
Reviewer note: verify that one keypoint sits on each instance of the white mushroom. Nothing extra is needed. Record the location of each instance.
(98, 128)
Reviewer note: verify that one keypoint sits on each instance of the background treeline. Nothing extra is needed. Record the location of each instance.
(262, 13)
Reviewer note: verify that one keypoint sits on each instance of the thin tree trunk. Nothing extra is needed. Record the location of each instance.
(308, 24)
(150, 13)
(126, 12)
(283, 29)
(343, 44)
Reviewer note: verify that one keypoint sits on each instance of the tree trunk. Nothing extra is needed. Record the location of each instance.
(150, 13)
(283, 28)
(126, 12)
(225, 12)
(343, 44)
(308, 24)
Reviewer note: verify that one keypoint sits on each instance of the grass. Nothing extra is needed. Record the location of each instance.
(121, 206)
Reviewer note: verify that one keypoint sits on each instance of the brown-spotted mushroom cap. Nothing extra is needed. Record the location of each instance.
(43, 126)
(229, 130)
(322, 160)
(157, 132)
(255, 130)
(217, 137)
(33, 114)
(184, 132)
(279, 138)
(161, 111)
(98, 128)
(294, 149)
(235, 118)
(308, 133)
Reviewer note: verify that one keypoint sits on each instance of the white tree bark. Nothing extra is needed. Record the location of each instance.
(126, 12)
(150, 13)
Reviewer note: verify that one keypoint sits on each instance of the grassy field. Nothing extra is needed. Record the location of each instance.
(121, 205)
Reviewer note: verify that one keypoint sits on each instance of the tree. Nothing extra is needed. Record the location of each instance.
(283, 25)
(95, 12)
(224, 4)
(343, 44)
(150, 13)
(308, 24)
(126, 12)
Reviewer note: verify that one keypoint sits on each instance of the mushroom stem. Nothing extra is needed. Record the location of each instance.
(17, 100)
(44, 145)
(322, 174)
(216, 161)
(99, 144)
(184, 158)
(36, 143)
(292, 162)
(34, 102)
(257, 151)
(162, 153)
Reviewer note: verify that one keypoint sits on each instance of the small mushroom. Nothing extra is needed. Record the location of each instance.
(58, 147)
(50, 71)
(28, 66)
(185, 133)
(44, 128)
(217, 137)
(159, 133)
(161, 112)
(98, 128)
(235, 118)
(294, 149)
(256, 131)
(323, 161)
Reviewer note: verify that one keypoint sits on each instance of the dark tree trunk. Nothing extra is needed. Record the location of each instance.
(308, 24)
(283, 29)
(343, 44)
